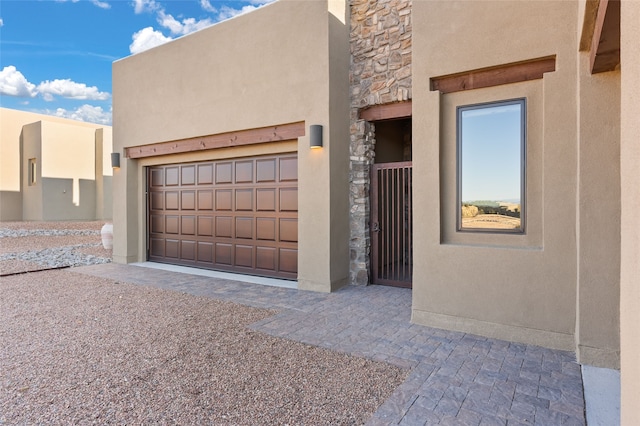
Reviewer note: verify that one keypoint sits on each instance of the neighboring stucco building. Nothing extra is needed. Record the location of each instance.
(53, 168)
(216, 131)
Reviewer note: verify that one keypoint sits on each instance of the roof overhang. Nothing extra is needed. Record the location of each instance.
(605, 42)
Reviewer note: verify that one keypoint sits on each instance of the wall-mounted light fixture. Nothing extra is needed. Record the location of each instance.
(115, 160)
(315, 136)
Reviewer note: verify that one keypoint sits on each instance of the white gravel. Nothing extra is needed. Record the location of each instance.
(76, 349)
(51, 244)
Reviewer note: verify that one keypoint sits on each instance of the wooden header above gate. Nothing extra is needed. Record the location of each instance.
(222, 140)
(386, 111)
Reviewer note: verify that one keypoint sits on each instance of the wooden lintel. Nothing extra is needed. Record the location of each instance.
(386, 111)
(222, 140)
(605, 45)
(494, 76)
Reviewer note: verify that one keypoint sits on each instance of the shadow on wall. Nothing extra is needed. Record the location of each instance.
(10, 206)
(58, 199)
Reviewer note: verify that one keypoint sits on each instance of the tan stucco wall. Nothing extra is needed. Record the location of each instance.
(598, 230)
(630, 196)
(11, 122)
(265, 68)
(32, 194)
(104, 173)
(68, 171)
(517, 287)
(10, 206)
(69, 152)
(339, 62)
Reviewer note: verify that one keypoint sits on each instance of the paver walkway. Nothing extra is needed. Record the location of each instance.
(455, 378)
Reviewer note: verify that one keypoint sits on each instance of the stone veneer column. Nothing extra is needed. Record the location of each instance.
(380, 74)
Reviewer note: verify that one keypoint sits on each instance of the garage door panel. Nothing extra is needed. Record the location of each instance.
(188, 225)
(288, 260)
(266, 258)
(188, 200)
(289, 199)
(224, 227)
(266, 170)
(172, 248)
(244, 256)
(205, 252)
(188, 250)
(237, 215)
(171, 176)
(224, 173)
(172, 225)
(156, 247)
(266, 228)
(157, 201)
(223, 253)
(244, 199)
(244, 171)
(223, 200)
(266, 199)
(205, 226)
(289, 230)
(188, 174)
(205, 174)
(171, 200)
(205, 200)
(244, 228)
(157, 178)
(157, 224)
(288, 169)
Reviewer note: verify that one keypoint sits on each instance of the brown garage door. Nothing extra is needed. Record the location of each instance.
(232, 215)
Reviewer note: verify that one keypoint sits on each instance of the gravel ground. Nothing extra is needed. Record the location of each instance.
(30, 246)
(85, 350)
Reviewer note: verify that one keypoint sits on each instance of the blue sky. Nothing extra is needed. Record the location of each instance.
(491, 153)
(56, 55)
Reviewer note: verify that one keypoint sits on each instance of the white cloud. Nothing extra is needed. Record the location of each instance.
(1, 22)
(141, 6)
(186, 26)
(227, 12)
(101, 4)
(147, 38)
(88, 113)
(71, 90)
(98, 3)
(206, 5)
(13, 83)
(261, 2)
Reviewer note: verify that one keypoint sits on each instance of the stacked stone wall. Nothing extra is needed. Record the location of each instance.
(380, 74)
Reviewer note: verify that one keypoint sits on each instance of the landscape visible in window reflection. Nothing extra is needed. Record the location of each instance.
(490, 144)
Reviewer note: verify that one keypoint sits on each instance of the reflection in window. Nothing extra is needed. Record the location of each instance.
(491, 151)
(33, 171)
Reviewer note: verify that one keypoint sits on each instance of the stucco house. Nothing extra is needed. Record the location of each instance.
(484, 154)
(53, 168)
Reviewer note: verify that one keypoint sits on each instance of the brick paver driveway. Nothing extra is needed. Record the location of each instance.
(456, 378)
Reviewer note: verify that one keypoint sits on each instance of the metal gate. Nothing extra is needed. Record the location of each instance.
(391, 224)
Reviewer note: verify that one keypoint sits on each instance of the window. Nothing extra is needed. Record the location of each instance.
(33, 171)
(491, 166)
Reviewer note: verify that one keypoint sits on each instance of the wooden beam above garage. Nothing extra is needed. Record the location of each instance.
(494, 76)
(605, 45)
(278, 133)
